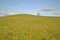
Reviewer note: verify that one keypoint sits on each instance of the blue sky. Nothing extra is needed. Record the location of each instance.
(29, 6)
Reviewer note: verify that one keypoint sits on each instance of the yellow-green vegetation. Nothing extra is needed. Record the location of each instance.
(29, 27)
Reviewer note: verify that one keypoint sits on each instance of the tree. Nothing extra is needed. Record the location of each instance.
(38, 14)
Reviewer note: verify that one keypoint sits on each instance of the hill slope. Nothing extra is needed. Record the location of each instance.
(29, 27)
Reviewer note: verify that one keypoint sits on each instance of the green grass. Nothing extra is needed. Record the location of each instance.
(29, 27)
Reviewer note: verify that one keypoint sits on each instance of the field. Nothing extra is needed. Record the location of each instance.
(29, 27)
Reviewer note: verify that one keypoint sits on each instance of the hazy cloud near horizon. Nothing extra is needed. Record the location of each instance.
(57, 13)
(49, 9)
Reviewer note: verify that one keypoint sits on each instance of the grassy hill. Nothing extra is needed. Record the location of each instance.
(29, 27)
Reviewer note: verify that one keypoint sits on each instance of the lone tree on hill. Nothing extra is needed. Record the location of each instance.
(38, 14)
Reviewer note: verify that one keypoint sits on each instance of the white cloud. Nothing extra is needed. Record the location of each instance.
(33, 13)
(5, 13)
(12, 13)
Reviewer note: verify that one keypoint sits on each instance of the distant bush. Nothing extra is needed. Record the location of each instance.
(38, 14)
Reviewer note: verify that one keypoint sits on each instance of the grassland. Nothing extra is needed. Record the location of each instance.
(29, 27)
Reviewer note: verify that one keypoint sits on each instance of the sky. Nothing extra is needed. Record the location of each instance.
(29, 6)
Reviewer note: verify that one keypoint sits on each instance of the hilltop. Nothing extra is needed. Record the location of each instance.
(29, 27)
